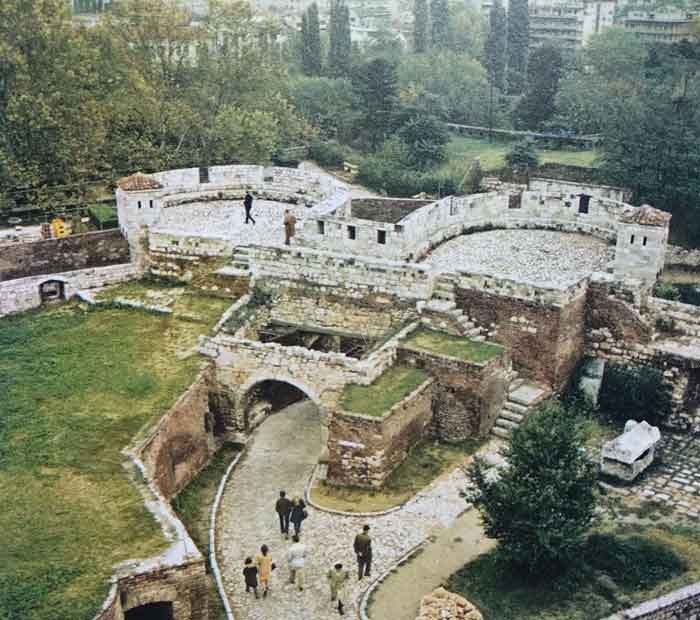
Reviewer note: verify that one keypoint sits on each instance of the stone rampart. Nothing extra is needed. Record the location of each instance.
(682, 604)
(24, 293)
(185, 438)
(95, 249)
(363, 450)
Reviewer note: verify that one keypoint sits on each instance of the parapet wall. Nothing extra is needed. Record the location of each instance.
(682, 604)
(95, 249)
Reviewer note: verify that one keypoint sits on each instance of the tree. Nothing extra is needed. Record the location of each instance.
(467, 25)
(440, 24)
(541, 505)
(340, 52)
(522, 156)
(426, 137)
(537, 105)
(311, 41)
(420, 26)
(495, 49)
(375, 85)
(471, 183)
(517, 45)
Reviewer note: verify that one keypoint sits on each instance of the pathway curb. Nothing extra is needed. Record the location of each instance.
(212, 537)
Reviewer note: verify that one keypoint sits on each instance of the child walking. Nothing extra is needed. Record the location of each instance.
(265, 567)
(250, 573)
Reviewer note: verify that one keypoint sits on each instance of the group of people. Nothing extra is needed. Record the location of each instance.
(257, 572)
(289, 221)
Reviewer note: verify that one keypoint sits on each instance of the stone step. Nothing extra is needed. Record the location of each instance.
(512, 416)
(238, 258)
(515, 383)
(233, 272)
(500, 432)
(515, 407)
(444, 296)
(440, 305)
(505, 423)
(527, 394)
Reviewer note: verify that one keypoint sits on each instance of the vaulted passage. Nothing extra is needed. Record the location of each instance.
(152, 611)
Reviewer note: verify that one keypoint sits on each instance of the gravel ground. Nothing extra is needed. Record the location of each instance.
(228, 218)
(532, 256)
(281, 455)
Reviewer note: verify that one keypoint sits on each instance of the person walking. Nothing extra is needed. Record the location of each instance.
(337, 577)
(363, 551)
(298, 514)
(250, 573)
(248, 204)
(296, 554)
(265, 566)
(283, 508)
(290, 223)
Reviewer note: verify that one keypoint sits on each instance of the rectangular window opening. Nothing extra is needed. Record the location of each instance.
(352, 232)
(381, 237)
(632, 240)
(139, 203)
(321, 227)
(584, 203)
(204, 175)
(644, 241)
(150, 204)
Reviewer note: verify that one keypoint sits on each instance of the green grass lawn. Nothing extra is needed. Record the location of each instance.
(454, 346)
(425, 462)
(622, 565)
(77, 385)
(193, 506)
(387, 390)
(464, 149)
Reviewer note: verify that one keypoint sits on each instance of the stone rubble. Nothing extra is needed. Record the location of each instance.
(444, 605)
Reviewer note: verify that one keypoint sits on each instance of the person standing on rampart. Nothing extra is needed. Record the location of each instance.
(290, 223)
(248, 204)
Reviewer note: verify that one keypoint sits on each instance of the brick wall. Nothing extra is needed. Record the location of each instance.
(97, 249)
(364, 450)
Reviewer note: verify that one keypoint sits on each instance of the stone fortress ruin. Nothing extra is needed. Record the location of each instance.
(495, 319)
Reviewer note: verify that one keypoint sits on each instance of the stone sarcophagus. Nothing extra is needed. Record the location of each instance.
(628, 455)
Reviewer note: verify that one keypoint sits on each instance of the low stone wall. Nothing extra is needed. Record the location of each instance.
(345, 275)
(364, 450)
(185, 438)
(468, 396)
(23, 294)
(683, 604)
(95, 249)
(682, 258)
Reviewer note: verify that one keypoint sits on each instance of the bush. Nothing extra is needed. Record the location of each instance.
(522, 156)
(104, 216)
(634, 563)
(634, 393)
(541, 505)
(328, 154)
(666, 290)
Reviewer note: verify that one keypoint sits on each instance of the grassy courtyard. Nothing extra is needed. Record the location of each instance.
(453, 346)
(386, 391)
(77, 385)
(492, 154)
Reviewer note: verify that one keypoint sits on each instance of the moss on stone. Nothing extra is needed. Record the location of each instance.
(454, 346)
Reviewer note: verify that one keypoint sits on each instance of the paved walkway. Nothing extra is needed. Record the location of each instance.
(281, 455)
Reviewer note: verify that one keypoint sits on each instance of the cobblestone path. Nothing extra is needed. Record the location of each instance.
(281, 455)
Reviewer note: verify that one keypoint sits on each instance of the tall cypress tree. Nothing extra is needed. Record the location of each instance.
(339, 55)
(495, 47)
(311, 41)
(420, 26)
(518, 41)
(440, 23)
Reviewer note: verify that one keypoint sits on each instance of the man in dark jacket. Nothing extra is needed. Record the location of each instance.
(363, 551)
(248, 204)
(283, 507)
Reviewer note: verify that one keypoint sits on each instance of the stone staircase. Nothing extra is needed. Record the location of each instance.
(239, 266)
(523, 397)
(443, 302)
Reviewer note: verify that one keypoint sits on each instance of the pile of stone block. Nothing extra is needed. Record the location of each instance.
(443, 605)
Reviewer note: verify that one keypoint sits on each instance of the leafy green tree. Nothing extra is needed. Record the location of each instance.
(245, 136)
(541, 505)
(495, 48)
(441, 31)
(536, 106)
(311, 41)
(426, 137)
(420, 26)
(522, 156)
(340, 52)
(517, 45)
(375, 83)
(471, 183)
(467, 25)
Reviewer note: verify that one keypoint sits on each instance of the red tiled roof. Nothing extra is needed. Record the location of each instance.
(138, 182)
(646, 216)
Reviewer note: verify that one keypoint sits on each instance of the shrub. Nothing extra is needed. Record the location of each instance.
(540, 507)
(328, 154)
(634, 563)
(634, 393)
(666, 290)
(522, 156)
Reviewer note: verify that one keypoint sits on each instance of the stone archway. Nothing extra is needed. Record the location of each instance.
(265, 395)
(52, 290)
(151, 611)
